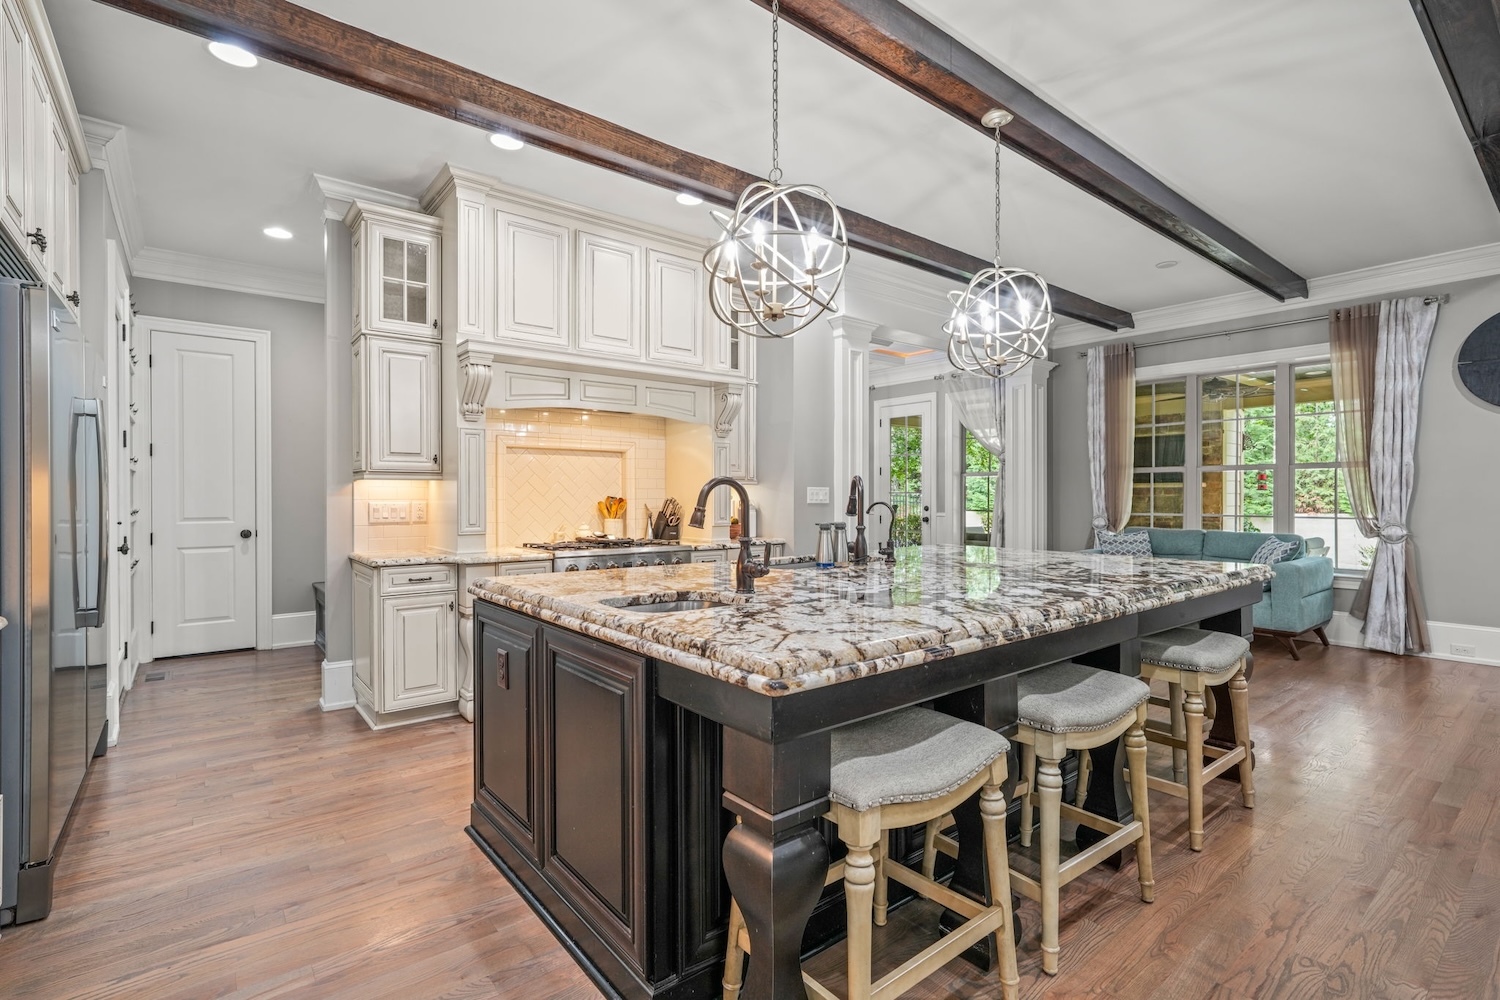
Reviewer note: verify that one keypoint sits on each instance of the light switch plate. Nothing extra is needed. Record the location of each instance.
(419, 512)
(400, 511)
(817, 494)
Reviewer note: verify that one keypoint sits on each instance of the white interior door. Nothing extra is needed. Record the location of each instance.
(127, 471)
(904, 470)
(203, 468)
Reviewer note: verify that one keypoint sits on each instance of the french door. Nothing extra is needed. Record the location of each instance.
(904, 475)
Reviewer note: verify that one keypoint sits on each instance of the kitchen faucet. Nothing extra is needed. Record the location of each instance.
(889, 548)
(746, 569)
(859, 549)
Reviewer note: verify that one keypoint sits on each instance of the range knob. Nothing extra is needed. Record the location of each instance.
(660, 561)
(571, 568)
(593, 565)
(678, 560)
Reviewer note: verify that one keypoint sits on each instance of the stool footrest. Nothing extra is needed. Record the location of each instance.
(922, 964)
(936, 891)
(1084, 860)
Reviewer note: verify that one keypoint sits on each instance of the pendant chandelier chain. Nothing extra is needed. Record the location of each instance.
(775, 175)
(997, 196)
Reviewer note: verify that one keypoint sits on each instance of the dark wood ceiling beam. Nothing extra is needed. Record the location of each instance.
(295, 36)
(1464, 36)
(906, 48)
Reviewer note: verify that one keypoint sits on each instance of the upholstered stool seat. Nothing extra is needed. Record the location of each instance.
(1066, 707)
(1191, 661)
(901, 769)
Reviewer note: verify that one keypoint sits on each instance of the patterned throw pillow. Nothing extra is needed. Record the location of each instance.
(1272, 551)
(1125, 543)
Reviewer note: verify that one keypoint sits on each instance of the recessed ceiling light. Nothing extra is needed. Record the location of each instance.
(234, 55)
(685, 198)
(1162, 265)
(504, 140)
(277, 233)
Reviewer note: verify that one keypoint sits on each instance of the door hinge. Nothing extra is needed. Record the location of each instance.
(127, 651)
(124, 439)
(153, 628)
(122, 333)
(150, 360)
(151, 449)
(151, 539)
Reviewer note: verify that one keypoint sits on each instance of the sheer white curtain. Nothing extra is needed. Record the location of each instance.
(980, 405)
(1111, 420)
(1390, 601)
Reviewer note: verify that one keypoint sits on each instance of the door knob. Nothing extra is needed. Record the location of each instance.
(244, 532)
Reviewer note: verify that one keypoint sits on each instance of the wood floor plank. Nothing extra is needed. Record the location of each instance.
(239, 843)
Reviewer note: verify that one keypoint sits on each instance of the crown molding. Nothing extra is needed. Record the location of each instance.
(339, 194)
(109, 148)
(926, 370)
(230, 275)
(1420, 274)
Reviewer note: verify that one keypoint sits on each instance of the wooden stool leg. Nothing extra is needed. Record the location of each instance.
(1192, 709)
(1028, 773)
(859, 893)
(881, 884)
(929, 847)
(734, 957)
(1179, 730)
(997, 865)
(1135, 753)
(1049, 795)
(1239, 700)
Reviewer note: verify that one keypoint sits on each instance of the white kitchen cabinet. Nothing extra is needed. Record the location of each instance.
(732, 352)
(405, 639)
(675, 309)
(397, 405)
(62, 238)
(535, 280)
(712, 555)
(38, 222)
(609, 295)
(397, 286)
(15, 162)
(525, 567)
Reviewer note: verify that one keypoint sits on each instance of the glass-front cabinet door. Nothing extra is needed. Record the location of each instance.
(396, 261)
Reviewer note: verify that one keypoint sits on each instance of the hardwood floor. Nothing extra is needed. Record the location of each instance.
(239, 843)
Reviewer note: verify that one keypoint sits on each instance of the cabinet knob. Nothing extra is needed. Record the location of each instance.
(434, 460)
(434, 324)
(74, 298)
(38, 238)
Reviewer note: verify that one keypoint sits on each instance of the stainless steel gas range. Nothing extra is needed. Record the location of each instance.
(613, 553)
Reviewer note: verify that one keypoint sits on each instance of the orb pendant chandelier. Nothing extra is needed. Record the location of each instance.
(1001, 320)
(780, 262)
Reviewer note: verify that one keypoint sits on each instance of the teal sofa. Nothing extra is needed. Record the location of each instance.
(1297, 600)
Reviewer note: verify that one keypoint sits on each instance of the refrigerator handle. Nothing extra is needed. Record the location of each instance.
(90, 614)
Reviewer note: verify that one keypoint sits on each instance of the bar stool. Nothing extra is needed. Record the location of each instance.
(1065, 707)
(1191, 661)
(897, 770)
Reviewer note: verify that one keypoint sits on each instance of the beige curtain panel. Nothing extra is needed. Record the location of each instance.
(1379, 354)
(1111, 418)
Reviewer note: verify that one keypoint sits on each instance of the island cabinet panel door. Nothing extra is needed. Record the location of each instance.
(508, 779)
(597, 815)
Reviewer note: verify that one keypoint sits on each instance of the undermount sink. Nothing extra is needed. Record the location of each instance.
(663, 607)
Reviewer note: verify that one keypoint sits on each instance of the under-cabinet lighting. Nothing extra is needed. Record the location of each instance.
(504, 140)
(277, 232)
(234, 55)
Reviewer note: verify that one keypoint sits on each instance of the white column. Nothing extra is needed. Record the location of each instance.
(851, 400)
(1026, 456)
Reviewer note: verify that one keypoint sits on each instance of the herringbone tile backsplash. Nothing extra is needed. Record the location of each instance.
(549, 468)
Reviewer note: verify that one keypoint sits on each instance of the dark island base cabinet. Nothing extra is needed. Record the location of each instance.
(600, 801)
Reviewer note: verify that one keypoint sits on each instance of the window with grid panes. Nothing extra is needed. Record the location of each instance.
(1253, 433)
(981, 478)
(1156, 499)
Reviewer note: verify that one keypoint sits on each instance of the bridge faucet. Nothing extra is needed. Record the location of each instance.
(859, 549)
(889, 548)
(746, 569)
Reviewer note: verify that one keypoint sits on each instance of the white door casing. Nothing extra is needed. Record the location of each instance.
(918, 415)
(210, 487)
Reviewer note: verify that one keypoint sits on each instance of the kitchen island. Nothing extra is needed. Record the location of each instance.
(617, 743)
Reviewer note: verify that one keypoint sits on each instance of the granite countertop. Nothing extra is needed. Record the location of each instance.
(806, 627)
(384, 559)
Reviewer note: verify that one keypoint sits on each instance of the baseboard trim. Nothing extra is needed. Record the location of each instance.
(294, 628)
(1344, 630)
(338, 685)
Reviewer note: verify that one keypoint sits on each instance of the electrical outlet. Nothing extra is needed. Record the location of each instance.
(817, 494)
(1460, 649)
(419, 512)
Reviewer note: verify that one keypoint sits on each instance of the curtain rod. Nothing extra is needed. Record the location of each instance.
(1429, 300)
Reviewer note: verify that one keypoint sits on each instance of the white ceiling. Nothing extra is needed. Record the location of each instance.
(1321, 131)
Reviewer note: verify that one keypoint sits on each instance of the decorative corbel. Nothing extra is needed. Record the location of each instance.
(728, 400)
(476, 378)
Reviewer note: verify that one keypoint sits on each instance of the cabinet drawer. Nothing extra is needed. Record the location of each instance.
(417, 579)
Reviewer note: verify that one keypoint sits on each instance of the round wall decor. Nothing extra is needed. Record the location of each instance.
(1479, 361)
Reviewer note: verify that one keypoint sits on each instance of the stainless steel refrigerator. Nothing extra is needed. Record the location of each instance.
(52, 586)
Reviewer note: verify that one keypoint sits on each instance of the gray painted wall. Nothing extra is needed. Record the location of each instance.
(338, 620)
(298, 387)
(795, 427)
(1457, 458)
